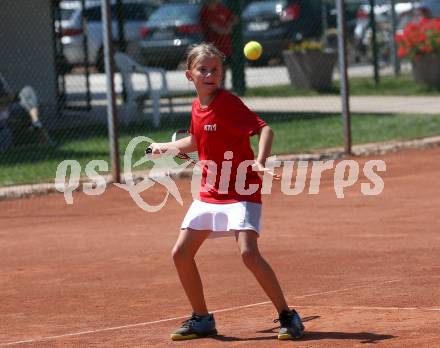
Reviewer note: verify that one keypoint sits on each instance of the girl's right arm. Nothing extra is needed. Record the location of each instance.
(183, 145)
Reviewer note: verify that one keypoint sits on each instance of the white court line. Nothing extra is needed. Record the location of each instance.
(375, 308)
(347, 289)
(81, 333)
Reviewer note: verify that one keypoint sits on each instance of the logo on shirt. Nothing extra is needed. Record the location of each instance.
(210, 127)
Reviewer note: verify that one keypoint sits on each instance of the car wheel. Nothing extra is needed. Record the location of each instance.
(66, 68)
(100, 65)
(172, 65)
(63, 67)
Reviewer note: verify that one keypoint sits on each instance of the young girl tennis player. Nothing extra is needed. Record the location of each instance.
(221, 126)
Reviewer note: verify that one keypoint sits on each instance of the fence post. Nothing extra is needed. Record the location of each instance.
(112, 119)
(342, 54)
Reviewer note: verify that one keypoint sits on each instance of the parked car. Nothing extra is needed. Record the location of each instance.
(276, 23)
(135, 12)
(170, 30)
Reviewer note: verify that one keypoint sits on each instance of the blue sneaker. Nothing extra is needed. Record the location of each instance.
(291, 326)
(196, 327)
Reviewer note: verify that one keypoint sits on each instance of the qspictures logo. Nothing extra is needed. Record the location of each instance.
(346, 173)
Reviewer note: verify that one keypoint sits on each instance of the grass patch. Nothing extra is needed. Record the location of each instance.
(324, 131)
(294, 133)
(389, 85)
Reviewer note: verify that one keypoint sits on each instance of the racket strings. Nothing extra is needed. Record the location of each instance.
(192, 156)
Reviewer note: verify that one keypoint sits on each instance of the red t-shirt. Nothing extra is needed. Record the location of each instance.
(221, 16)
(225, 126)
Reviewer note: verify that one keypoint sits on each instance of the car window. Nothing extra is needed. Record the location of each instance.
(134, 12)
(263, 8)
(171, 12)
(67, 14)
(93, 13)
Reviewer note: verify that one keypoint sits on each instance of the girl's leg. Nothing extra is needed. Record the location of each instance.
(247, 242)
(188, 242)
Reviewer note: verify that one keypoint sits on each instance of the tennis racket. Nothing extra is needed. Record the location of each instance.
(180, 134)
(192, 156)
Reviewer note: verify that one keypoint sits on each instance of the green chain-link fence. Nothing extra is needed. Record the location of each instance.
(45, 44)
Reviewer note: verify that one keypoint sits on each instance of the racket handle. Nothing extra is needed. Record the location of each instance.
(150, 155)
(149, 152)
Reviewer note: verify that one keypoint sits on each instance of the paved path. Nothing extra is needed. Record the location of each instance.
(255, 77)
(363, 104)
(373, 104)
(324, 104)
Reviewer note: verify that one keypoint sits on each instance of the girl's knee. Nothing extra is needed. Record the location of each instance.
(180, 255)
(250, 257)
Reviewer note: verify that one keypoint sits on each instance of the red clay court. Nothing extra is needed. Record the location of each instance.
(360, 270)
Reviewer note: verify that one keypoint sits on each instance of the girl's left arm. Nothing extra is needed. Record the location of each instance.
(265, 144)
(264, 148)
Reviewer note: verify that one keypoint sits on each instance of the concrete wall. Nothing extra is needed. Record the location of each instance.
(26, 47)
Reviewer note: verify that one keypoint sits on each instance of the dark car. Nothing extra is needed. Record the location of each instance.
(168, 33)
(276, 23)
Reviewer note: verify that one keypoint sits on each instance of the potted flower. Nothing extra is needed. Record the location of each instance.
(309, 65)
(420, 42)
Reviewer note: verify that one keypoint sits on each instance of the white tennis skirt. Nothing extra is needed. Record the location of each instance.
(223, 219)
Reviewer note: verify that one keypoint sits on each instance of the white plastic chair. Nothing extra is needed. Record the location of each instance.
(135, 98)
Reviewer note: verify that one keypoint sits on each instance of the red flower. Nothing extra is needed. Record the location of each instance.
(402, 52)
(426, 49)
(419, 38)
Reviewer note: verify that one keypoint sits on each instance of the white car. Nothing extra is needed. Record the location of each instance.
(73, 33)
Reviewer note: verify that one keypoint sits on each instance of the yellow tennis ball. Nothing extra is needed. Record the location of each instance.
(252, 50)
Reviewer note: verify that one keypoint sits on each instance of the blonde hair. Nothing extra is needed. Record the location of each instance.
(203, 50)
